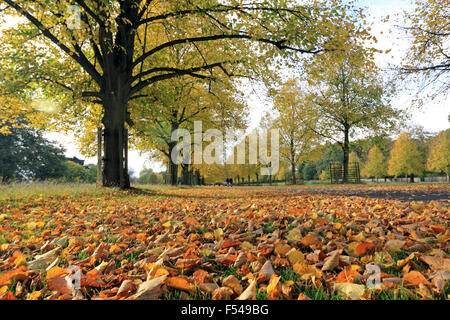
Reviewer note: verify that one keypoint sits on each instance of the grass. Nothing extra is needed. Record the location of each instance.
(69, 203)
(46, 189)
(269, 228)
(399, 293)
(181, 295)
(39, 190)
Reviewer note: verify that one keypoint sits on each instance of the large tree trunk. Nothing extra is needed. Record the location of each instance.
(115, 171)
(198, 178)
(173, 173)
(294, 178)
(99, 156)
(173, 167)
(346, 149)
(185, 174)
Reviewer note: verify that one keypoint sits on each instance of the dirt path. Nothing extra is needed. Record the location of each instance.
(402, 193)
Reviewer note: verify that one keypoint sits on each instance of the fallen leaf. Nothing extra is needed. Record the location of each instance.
(414, 278)
(310, 240)
(332, 261)
(365, 248)
(350, 290)
(180, 283)
(265, 272)
(347, 276)
(394, 245)
(436, 263)
(295, 256)
(223, 293)
(149, 290)
(249, 293)
(232, 282)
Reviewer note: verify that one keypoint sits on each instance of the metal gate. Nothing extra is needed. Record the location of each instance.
(337, 172)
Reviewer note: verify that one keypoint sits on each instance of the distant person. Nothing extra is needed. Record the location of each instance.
(228, 182)
(231, 182)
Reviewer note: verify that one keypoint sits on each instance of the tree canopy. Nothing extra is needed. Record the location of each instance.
(109, 52)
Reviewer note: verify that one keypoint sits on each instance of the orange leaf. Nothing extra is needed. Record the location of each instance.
(415, 278)
(201, 276)
(347, 276)
(18, 274)
(181, 283)
(190, 220)
(90, 282)
(56, 271)
(94, 273)
(223, 293)
(59, 284)
(115, 249)
(365, 248)
(8, 296)
(230, 243)
(273, 289)
(302, 296)
(437, 228)
(310, 240)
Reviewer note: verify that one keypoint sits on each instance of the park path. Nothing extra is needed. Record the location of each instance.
(396, 192)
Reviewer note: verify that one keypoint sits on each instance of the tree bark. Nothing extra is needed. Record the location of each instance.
(173, 173)
(294, 178)
(198, 179)
(185, 174)
(115, 171)
(346, 149)
(99, 156)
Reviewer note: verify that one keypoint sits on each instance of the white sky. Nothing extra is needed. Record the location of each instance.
(433, 116)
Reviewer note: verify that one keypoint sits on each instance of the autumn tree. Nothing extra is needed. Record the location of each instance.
(429, 56)
(439, 153)
(295, 121)
(405, 159)
(27, 155)
(350, 96)
(176, 104)
(354, 158)
(108, 52)
(375, 165)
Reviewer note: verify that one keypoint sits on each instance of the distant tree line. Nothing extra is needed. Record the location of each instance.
(414, 154)
(27, 156)
(147, 176)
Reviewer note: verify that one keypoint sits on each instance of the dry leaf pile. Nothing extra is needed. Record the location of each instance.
(223, 243)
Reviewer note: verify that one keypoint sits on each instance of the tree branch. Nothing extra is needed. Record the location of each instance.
(280, 44)
(80, 58)
(173, 74)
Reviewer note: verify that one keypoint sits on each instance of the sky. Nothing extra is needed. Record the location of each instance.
(433, 116)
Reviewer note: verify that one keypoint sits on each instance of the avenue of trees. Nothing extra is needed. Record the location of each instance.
(413, 153)
(133, 71)
(103, 58)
